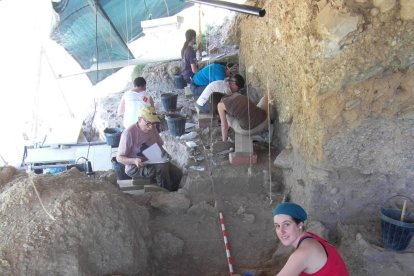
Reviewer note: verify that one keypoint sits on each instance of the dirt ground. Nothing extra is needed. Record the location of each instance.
(71, 224)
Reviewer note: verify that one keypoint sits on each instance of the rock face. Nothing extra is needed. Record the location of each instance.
(334, 26)
(407, 9)
(341, 78)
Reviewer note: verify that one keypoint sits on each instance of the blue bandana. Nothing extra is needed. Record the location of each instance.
(290, 209)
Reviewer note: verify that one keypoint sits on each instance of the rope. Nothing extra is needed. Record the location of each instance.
(200, 36)
(269, 141)
(149, 15)
(208, 158)
(97, 78)
(4, 161)
(71, 114)
(268, 116)
(126, 24)
(38, 197)
(248, 118)
(166, 7)
(210, 164)
(36, 99)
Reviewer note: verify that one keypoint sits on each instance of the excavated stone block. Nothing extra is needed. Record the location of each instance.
(139, 181)
(243, 143)
(242, 158)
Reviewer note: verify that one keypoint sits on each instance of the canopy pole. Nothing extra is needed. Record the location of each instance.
(200, 35)
(232, 6)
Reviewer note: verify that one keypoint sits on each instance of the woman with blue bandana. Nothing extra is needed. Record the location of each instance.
(313, 255)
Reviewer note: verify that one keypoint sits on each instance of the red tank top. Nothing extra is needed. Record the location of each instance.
(334, 265)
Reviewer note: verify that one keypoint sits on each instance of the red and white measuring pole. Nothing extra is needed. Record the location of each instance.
(226, 244)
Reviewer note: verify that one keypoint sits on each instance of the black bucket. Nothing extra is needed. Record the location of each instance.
(396, 234)
(169, 101)
(176, 124)
(179, 81)
(119, 168)
(112, 136)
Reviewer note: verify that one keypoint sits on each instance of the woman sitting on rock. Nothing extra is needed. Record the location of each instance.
(313, 255)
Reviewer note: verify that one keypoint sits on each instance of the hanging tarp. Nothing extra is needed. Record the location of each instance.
(98, 31)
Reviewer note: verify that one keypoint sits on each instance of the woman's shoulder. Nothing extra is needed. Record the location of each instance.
(129, 94)
(300, 257)
(310, 243)
(189, 51)
(313, 251)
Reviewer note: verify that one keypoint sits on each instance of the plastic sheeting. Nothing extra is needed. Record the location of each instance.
(98, 31)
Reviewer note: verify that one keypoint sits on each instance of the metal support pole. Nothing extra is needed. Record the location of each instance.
(232, 6)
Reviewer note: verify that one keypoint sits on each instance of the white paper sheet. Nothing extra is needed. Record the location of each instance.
(154, 155)
(189, 125)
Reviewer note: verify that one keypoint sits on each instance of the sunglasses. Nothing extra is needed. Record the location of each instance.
(148, 124)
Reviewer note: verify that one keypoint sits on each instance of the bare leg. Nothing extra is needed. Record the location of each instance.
(224, 124)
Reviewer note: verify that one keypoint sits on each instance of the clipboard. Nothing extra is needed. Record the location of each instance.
(154, 155)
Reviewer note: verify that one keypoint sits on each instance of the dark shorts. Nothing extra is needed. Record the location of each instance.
(144, 172)
(166, 175)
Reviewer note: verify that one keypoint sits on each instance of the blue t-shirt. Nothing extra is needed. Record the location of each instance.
(189, 58)
(210, 73)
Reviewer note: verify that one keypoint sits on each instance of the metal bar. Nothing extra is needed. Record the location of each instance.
(232, 6)
(50, 166)
(96, 143)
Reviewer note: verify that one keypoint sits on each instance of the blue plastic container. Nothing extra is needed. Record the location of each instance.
(119, 169)
(113, 136)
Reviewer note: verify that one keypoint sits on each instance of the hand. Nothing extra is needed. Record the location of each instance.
(138, 162)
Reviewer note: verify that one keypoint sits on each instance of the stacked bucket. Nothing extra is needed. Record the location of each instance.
(175, 121)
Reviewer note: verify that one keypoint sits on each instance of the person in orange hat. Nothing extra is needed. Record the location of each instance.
(134, 140)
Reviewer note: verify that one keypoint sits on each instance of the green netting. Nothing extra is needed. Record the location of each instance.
(102, 36)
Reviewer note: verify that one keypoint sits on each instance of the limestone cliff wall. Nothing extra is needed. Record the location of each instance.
(340, 75)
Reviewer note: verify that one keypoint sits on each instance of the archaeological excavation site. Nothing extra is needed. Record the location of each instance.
(183, 191)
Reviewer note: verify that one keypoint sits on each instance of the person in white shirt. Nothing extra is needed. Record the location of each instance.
(133, 101)
(225, 87)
